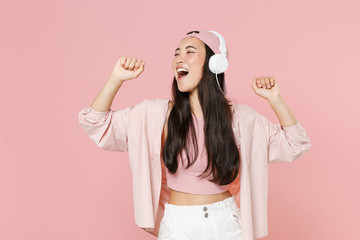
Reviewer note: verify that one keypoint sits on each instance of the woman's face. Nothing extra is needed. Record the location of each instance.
(189, 55)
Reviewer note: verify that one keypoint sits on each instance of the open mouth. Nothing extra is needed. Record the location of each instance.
(182, 74)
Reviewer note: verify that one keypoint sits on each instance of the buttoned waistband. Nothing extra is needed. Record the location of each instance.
(228, 203)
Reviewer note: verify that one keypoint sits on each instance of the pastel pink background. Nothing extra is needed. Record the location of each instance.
(55, 183)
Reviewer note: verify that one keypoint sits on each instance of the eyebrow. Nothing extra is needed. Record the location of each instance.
(186, 47)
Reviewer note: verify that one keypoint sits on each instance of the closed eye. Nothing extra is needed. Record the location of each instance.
(178, 54)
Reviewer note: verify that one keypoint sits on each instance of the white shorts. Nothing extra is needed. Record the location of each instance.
(215, 221)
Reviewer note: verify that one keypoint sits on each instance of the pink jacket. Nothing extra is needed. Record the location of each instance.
(138, 129)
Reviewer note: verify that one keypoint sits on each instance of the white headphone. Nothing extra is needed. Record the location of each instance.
(218, 63)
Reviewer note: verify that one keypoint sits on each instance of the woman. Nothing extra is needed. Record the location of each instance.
(199, 145)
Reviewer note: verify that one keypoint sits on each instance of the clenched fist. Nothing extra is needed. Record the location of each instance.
(127, 68)
(266, 87)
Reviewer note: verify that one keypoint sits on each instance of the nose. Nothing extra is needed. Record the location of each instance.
(179, 60)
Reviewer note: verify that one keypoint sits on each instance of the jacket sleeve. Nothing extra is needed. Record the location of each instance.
(285, 144)
(108, 129)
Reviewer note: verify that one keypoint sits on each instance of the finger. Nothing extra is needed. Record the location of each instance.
(127, 63)
(262, 80)
(258, 82)
(253, 83)
(272, 81)
(138, 64)
(267, 82)
(140, 69)
(122, 61)
(132, 63)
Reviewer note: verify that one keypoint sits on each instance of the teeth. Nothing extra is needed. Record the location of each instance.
(182, 69)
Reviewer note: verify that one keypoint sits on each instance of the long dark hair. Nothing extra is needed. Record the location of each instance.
(222, 152)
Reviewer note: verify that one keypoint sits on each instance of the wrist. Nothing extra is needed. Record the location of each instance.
(276, 100)
(115, 80)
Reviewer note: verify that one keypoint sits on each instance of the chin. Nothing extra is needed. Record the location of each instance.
(181, 88)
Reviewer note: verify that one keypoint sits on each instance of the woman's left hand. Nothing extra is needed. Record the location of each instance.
(266, 87)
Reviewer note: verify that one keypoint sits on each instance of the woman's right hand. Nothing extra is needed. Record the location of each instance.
(127, 68)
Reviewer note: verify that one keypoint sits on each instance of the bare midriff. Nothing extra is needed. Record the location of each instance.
(181, 198)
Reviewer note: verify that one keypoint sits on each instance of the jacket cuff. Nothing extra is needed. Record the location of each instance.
(293, 128)
(92, 113)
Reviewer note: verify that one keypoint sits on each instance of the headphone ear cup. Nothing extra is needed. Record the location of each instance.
(218, 63)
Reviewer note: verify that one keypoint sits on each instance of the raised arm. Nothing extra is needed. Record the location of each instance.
(124, 70)
(108, 128)
(287, 140)
(283, 112)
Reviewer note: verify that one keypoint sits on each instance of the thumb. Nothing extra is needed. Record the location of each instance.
(140, 69)
(253, 84)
